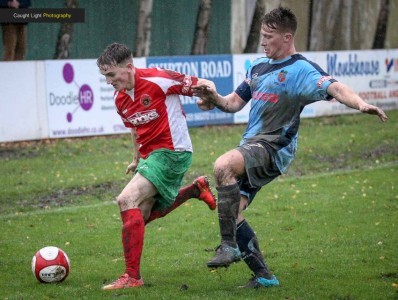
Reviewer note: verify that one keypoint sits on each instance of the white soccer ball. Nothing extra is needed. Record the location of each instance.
(50, 264)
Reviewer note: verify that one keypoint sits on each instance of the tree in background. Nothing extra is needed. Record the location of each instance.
(144, 26)
(330, 25)
(199, 45)
(64, 40)
(323, 26)
(348, 24)
(253, 38)
(381, 28)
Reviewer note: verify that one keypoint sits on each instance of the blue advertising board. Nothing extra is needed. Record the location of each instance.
(217, 68)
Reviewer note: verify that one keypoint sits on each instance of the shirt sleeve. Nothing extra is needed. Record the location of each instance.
(181, 84)
(313, 82)
(244, 91)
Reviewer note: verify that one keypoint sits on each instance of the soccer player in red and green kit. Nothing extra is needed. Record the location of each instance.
(148, 101)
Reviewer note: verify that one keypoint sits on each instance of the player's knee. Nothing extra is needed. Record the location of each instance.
(120, 200)
(125, 202)
(223, 172)
(220, 165)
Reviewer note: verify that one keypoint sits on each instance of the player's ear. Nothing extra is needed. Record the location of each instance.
(129, 66)
(287, 37)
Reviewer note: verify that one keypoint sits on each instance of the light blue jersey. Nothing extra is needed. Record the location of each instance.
(279, 90)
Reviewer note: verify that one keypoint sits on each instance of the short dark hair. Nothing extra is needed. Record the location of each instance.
(113, 55)
(281, 19)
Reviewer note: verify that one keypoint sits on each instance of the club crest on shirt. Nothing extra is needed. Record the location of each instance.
(282, 76)
(145, 100)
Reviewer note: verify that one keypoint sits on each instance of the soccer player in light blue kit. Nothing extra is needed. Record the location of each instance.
(280, 85)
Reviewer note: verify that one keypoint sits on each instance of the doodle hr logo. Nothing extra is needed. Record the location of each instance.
(85, 96)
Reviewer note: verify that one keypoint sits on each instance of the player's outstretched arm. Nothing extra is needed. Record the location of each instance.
(208, 96)
(347, 96)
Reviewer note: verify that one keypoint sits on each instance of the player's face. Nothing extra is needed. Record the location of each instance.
(121, 77)
(273, 43)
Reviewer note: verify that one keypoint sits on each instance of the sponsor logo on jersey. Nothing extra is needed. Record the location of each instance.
(322, 80)
(273, 98)
(282, 76)
(146, 100)
(143, 117)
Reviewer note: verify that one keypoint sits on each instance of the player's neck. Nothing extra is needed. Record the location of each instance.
(286, 54)
(291, 50)
(131, 80)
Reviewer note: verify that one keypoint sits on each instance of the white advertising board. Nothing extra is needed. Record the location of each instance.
(79, 101)
(23, 113)
(373, 74)
(241, 63)
(70, 98)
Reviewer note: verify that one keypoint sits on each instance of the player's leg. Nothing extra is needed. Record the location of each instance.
(9, 41)
(135, 202)
(251, 253)
(170, 168)
(199, 189)
(252, 256)
(245, 236)
(20, 47)
(227, 169)
(253, 163)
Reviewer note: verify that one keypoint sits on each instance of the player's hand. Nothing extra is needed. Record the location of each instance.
(205, 105)
(131, 167)
(206, 91)
(373, 110)
(206, 82)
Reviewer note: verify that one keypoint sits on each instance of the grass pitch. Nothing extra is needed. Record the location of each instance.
(328, 228)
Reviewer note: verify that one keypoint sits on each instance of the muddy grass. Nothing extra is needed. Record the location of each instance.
(343, 161)
(109, 190)
(26, 149)
(102, 192)
(15, 152)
